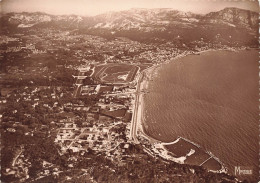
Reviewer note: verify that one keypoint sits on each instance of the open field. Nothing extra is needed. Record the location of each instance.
(115, 73)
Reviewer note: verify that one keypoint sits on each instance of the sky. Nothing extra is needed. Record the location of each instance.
(95, 7)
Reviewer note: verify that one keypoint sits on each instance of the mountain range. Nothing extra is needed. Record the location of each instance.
(146, 24)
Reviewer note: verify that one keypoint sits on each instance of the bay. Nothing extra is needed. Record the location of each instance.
(210, 99)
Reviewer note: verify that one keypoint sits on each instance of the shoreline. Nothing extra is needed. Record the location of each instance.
(157, 144)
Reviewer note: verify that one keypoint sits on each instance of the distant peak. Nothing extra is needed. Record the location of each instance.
(235, 8)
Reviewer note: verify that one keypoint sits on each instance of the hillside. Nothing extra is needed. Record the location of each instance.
(153, 25)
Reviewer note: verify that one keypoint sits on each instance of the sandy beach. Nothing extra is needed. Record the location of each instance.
(138, 121)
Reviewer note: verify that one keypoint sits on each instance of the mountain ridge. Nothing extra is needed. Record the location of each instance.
(146, 12)
(146, 24)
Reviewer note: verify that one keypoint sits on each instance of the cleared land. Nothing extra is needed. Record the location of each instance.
(115, 73)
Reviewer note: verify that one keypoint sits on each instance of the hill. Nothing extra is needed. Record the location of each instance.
(148, 25)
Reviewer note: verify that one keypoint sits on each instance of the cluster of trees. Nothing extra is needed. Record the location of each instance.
(36, 150)
(144, 168)
(88, 81)
(43, 149)
(61, 77)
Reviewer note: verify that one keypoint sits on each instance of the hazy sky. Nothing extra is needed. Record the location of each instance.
(94, 7)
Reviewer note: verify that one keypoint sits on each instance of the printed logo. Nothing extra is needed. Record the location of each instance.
(243, 170)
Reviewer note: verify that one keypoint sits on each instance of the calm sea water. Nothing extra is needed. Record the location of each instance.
(211, 99)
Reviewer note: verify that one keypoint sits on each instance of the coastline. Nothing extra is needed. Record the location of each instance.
(143, 87)
(137, 119)
(160, 148)
(144, 82)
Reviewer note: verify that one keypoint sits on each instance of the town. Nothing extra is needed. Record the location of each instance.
(68, 105)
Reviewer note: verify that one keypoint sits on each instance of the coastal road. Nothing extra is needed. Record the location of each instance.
(137, 112)
(134, 123)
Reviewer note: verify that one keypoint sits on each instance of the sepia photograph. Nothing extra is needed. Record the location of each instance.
(129, 91)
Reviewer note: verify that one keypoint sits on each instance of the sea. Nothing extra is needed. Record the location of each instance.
(212, 100)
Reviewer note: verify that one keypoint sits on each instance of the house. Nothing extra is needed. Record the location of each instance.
(10, 129)
(97, 88)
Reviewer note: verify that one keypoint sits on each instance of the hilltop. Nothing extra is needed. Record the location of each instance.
(147, 25)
